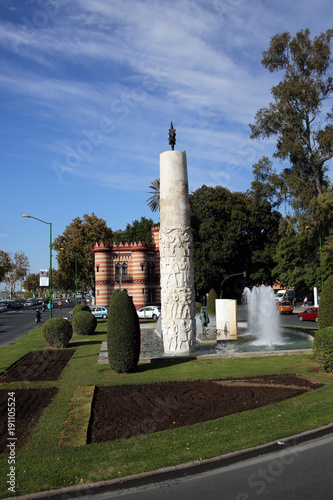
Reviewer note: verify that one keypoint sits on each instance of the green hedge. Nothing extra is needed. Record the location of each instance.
(325, 316)
(123, 333)
(323, 348)
(84, 323)
(57, 332)
(79, 308)
(197, 307)
(212, 296)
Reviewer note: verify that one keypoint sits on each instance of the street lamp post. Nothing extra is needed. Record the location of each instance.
(50, 272)
(236, 274)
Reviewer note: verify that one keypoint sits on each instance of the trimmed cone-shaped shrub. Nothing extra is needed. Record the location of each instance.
(57, 332)
(323, 348)
(325, 315)
(84, 323)
(123, 333)
(79, 308)
(212, 296)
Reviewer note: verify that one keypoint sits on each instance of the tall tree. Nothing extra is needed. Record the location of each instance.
(263, 223)
(5, 264)
(31, 283)
(301, 121)
(304, 131)
(74, 249)
(18, 270)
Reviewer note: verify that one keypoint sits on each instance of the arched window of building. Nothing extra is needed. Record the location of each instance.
(117, 270)
(124, 269)
(97, 269)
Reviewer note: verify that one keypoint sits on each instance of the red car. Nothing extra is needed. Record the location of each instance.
(310, 314)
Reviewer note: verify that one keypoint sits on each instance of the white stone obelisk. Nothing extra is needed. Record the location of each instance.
(176, 256)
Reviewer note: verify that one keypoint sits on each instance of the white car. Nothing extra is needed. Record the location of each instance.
(149, 312)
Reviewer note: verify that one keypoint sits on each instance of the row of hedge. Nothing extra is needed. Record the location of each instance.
(57, 332)
(323, 341)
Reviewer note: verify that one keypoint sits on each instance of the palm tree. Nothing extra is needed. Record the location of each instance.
(154, 200)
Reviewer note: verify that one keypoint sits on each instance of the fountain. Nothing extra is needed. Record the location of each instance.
(259, 334)
(263, 319)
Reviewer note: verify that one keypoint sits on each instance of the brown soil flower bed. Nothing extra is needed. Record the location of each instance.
(38, 366)
(29, 404)
(125, 411)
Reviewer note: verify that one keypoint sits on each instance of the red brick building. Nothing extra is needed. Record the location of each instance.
(136, 265)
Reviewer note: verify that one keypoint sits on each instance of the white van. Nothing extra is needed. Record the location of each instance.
(287, 294)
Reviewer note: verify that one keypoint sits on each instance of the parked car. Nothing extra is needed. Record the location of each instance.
(310, 314)
(30, 302)
(3, 308)
(284, 306)
(99, 312)
(149, 312)
(16, 304)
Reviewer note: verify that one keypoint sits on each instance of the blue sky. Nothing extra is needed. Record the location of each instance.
(88, 90)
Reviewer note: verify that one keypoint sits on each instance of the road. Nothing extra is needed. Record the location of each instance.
(298, 473)
(14, 324)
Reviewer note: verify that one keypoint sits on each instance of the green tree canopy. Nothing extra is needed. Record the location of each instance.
(31, 282)
(76, 244)
(298, 117)
(137, 231)
(232, 233)
(19, 267)
(5, 264)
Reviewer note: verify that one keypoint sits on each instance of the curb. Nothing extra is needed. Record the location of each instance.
(178, 471)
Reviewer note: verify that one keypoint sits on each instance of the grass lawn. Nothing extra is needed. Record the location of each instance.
(52, 458)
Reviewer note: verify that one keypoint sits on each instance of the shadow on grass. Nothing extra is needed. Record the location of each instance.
(158, 363)
(81, 342)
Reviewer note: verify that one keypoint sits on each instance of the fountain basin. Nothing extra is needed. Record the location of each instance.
(244, 344)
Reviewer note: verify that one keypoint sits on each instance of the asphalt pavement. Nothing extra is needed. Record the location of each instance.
(16, 323)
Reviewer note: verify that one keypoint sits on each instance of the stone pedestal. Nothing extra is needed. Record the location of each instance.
(176, 256)
(226, 318)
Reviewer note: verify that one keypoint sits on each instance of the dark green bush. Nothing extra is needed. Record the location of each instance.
(325, 316)
(197, 307)
(57, 332)
(212, 296)
(323, 348)
(123, 333)
(84, 323)
(79, 308)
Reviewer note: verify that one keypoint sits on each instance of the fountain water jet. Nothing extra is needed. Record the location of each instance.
(263, 321)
